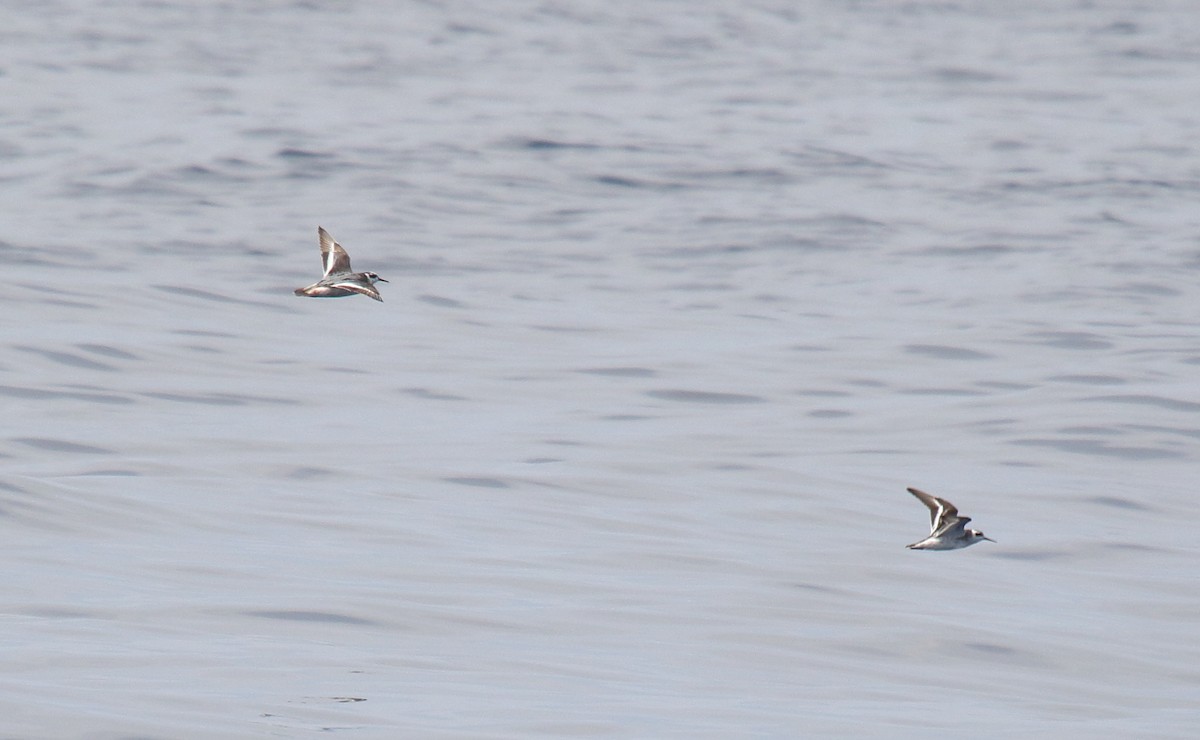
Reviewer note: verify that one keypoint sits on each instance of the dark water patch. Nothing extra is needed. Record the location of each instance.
(671, 254)
(59, 445)
(1004, 386)
(190, 183)
(563, 329)
(292, 153)
(1171, 404)
(107, 351)
(1109, 217)
(238, 163)
(754, 175)
(1129, 547)
(1089, 430)
(1099, 448)
(684, 396)
(829, 414)
(1153, 289)
(64, 303)
(836, 161)
(961, 392)
(818, 588)
(1117, 502)
(204, 333)
(310, 472)
(273, 133)
(990, 648)
(958, 75)
(1118, 188)
(1070, 340)
(1088, 379)
(478, 482)
(178, 248)
(1189, 432)
(193, 292)
(1141, 54)
(436, 300)
(544, 460)
(712, 287)
(1119, 28)
(619, 372)
(309, 616)
(943, 352)
(427, 394)
(620, 181)
(207, 349)
(322, 700)
(841, 231)
(41, 394)
(68, 359)
(56, 612)
(867, 383)
(1067, 295)
(1018, 464)
(823, 394)
(1037, 555)
(977, 250)
(221, 399)
(183, 290)
(995, 422)
(204, 174)
(37, 255)
(543, 145)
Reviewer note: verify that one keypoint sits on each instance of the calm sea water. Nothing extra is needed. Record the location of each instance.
(682, 296)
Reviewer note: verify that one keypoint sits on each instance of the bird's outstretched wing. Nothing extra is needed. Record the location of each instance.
(333, 257)
(940, 510)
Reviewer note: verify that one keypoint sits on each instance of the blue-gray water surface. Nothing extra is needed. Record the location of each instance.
(682, 297)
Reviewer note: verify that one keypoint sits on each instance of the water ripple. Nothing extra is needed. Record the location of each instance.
(686, 396)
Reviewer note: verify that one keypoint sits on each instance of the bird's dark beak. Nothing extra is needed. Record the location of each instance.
(382, 280)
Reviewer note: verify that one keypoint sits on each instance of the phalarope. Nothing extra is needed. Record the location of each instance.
(948, 530)
(339, 281)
